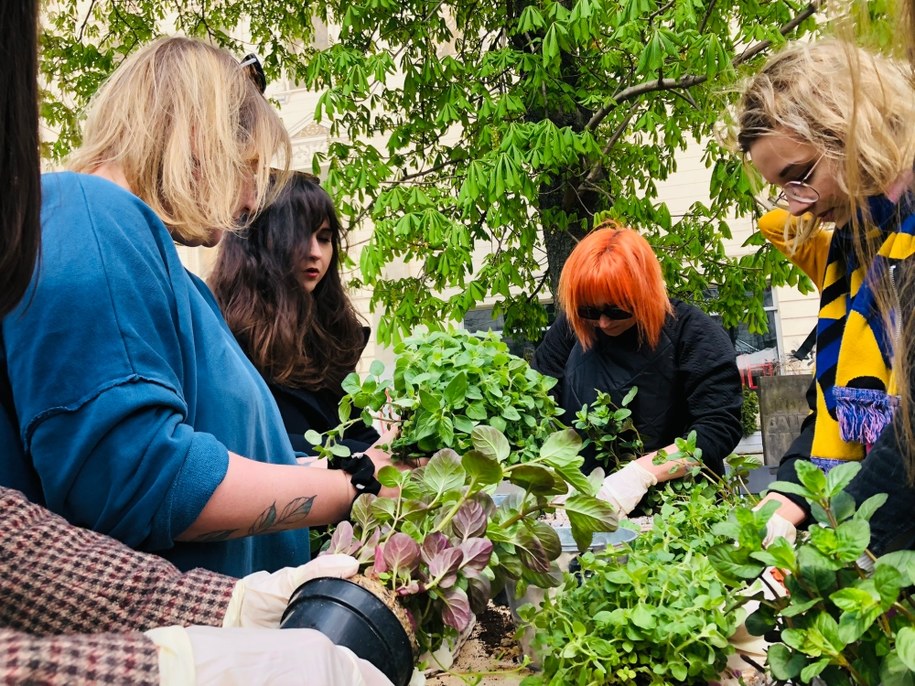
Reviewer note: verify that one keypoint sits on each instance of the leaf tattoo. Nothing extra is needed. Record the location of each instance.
(293, 513)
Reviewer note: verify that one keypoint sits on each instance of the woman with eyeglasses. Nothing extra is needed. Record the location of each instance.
(619, 330)
(842, 155)
(279, 286)
(136, 412)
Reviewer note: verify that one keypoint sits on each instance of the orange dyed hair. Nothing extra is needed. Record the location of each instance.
(613, 265)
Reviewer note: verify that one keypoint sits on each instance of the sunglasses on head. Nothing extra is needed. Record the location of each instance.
(254, 70)
(609, 311)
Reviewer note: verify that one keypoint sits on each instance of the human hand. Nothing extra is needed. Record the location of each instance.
(783, 521)
(259, 599)
(750, 650)
(626, 487)
(779, 527)
(381, 458)
(207, 655)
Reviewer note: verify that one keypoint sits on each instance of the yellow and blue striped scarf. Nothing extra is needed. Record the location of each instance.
(856, 394)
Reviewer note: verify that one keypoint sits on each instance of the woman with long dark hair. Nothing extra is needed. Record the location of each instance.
(20, 202)
(279, 287)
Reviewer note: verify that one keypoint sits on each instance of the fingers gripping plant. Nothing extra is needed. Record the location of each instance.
(838, 624)
(443, 545)
(610, 430)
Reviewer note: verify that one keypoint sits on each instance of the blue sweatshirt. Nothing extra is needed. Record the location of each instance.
(128, 388)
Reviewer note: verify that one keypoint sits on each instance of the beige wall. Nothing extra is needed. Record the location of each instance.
(796, 313)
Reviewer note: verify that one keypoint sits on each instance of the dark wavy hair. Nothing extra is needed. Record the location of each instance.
(20, 199)
(295, 338)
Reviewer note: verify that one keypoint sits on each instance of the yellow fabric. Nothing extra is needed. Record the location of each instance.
(857, 354)
(810, 257)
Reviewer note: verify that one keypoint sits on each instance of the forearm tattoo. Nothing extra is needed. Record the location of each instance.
(292, 516)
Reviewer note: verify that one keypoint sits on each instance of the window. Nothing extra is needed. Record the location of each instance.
(757, 348)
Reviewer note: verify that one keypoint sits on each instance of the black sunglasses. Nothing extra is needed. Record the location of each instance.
(609, 311)
(254, 70)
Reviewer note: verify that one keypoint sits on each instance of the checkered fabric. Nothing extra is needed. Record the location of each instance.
(98, 659)
(57, 579)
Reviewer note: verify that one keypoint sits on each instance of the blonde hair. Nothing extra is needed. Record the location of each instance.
(904, 359)
(187, 128)
(840, 99)
(858, 108)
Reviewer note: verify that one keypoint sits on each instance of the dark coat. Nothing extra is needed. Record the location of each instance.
(689, 381)
(303, 410)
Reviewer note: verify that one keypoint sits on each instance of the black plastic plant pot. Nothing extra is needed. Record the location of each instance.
(353, 617)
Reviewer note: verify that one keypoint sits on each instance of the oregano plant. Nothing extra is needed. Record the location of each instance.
(445, 384)
(838, 623)
(653, 612)
(609, 431)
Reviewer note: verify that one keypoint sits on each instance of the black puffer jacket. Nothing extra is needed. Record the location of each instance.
(688, 382)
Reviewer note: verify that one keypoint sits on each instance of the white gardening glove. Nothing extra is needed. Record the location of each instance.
(739, 671)
(626, 487)
(207, 655)
(778, 526)
(259, 599)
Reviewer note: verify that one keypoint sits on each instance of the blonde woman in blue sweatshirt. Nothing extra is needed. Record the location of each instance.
(136, 414)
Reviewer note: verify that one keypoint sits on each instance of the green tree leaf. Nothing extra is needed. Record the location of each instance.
(447, 140)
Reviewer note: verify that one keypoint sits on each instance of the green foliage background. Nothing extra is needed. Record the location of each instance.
(510, 125)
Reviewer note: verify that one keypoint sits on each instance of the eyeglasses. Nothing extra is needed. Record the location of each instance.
(799, 191)
(609, 311)
(254, 70)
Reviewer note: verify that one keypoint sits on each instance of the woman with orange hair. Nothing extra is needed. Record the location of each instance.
(620, 330)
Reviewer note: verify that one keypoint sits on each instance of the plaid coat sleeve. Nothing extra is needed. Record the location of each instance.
(96, 659)
(59, 579)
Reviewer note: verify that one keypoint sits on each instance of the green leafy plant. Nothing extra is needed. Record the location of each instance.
(445, 384)
(749, 412)
(654, 612)
(444, 545)
(731, 485)
(609, 430)
(837, 623)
